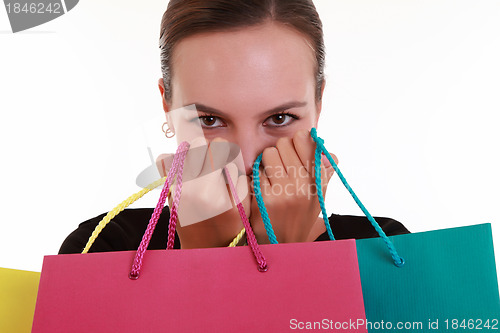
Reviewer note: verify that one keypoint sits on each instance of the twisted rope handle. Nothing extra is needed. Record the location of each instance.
(252, 241)
(179, 156)
(398, 260)
(320, 148)
(130, 200)
(319, 190)
(118, 209)
(172, 223)
(237, 239)
(177, 168)
(262, 207)
(260, 201)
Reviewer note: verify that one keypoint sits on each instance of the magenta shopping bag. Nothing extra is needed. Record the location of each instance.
(269, 288)
(202, 290)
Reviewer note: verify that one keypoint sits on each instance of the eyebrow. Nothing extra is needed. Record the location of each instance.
(277, 109)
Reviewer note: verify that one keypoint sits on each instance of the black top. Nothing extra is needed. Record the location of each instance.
(124, 232)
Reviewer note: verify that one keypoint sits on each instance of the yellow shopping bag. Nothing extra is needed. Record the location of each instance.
(18, 291)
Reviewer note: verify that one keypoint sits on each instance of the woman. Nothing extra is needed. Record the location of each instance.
(254, 70)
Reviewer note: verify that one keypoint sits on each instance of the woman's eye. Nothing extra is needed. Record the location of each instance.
(211, 121)
(280, 119)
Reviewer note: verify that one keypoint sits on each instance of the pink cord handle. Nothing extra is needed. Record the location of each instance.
(251, 240)
(172, 223)
(179, 158)
(177, 167)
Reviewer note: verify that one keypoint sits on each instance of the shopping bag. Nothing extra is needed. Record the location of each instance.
(202, 290)
(267, 288)
(18, 291)
(447, 284)
(435, 281)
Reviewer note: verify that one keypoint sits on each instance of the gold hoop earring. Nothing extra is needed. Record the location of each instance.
(168, 132)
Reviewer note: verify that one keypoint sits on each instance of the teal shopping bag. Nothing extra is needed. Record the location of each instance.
(435, 281)
(447, 284)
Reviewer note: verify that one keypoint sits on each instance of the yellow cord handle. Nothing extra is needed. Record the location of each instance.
(237, 239)
(127, 202)
(124, 204)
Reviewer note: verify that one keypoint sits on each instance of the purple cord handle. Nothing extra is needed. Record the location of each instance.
(177, 165)
(251, 240)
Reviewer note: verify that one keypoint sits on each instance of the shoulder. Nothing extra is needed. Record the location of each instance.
(358, 227)
(123, 233)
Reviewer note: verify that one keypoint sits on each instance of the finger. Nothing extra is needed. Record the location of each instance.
(326, 163)
(273, 166)
(251, 192)
(242, 187)
(239, 181)
(243, 193)
(327, 170)
(236, 157)
(305, 148)
(265, 183)
(232, 170)
(194, 158)
(164, 163)
(288, 155)
(204, 197)
(265, 190)
(217, 155)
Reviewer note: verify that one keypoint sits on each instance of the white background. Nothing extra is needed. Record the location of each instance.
(410, 108)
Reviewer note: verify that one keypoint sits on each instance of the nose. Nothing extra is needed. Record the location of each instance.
(248, 159)
(251, 145)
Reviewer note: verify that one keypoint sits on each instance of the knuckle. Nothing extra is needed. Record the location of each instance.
(282, 140)
(269, 152)
(219, 139)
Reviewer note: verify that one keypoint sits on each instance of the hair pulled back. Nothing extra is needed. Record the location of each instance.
(184, 18)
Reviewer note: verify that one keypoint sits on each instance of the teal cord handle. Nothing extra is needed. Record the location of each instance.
(260, 202)
(262, 207)
(320, 148)
(319, 190)
(398, 261)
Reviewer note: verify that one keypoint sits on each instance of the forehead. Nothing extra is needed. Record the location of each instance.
(264, 64)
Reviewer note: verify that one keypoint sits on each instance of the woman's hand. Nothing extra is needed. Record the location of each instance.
(207, 214)
(289, 192)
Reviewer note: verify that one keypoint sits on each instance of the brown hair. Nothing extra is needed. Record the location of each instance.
(185, 18)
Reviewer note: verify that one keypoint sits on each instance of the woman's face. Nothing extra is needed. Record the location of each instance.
(250, 86)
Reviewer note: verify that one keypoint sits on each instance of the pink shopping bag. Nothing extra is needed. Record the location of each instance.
(202, 290)
(269, 288)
